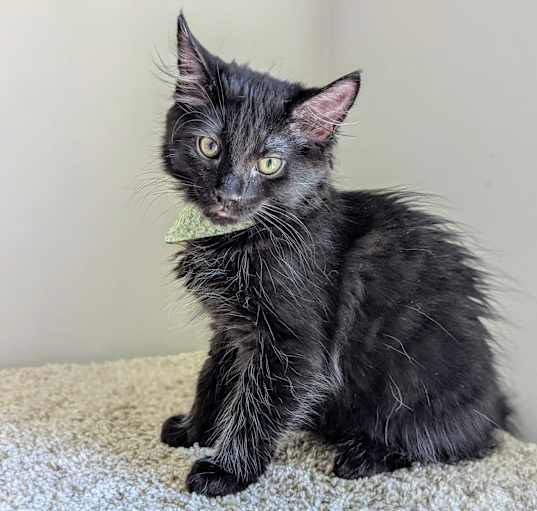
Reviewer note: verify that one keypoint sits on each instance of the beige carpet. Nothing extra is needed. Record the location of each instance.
(86, 437)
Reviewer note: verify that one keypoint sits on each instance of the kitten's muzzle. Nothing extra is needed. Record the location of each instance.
(229, 211)
(227, 197)
(229, 191)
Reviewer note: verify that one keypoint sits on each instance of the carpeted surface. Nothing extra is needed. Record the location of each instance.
(86, 437)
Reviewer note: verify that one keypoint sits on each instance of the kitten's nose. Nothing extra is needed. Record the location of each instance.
(230, 190)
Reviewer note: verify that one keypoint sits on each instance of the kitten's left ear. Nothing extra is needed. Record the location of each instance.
(318, 116)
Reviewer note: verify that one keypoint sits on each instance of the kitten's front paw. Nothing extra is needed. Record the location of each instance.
(209, 479)
(175, 433)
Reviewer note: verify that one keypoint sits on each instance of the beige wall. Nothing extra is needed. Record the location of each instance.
(85, 273)
(448, 105)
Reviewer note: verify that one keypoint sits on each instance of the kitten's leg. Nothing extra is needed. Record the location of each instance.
(212, 388)
(363, 457)
(272, 392)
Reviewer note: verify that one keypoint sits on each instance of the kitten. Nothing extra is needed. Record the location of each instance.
(353, 315)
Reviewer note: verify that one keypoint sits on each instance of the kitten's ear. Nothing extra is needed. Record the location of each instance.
(193, 64)
(323, 110)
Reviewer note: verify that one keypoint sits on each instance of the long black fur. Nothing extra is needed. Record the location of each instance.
(354, 315)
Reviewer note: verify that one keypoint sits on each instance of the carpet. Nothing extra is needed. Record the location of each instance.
(86, 437)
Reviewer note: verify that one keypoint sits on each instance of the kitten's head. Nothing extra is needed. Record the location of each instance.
(238, 141)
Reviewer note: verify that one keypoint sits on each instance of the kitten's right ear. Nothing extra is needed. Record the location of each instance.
(193, 65)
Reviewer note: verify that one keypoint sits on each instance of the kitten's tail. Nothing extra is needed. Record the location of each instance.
(506, 416)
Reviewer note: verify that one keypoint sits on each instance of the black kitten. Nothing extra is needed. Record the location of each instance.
(354, 315)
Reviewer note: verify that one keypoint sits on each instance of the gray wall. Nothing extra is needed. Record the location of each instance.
(448, 105)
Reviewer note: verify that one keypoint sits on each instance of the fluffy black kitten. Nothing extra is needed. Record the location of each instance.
(354, 315)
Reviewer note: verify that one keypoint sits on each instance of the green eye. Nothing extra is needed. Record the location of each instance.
(208, 147)
(270, 165)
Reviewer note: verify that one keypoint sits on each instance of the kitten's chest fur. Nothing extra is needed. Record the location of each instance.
(262, 276)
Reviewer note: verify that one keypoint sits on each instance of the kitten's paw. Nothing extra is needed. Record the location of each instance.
(209, 479)
(175, 432)
(357, 460)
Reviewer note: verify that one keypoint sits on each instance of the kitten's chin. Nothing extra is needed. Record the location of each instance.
(223, 220)
(223, 217)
